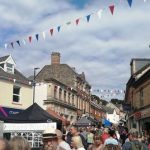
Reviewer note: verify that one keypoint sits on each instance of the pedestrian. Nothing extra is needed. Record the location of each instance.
(74, 132)
(61, 143)
(105, 134)
(134, 143)
(52, 140)
(77, 143)
(4, 144)
(98, 143)
(111, 139)
(19, 143)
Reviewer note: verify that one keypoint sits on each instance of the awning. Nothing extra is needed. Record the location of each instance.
(56, 115)
(106, 123)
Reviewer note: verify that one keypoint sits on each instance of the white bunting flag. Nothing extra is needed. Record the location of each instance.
(24, 42)
(43, 33)
(99, 13)
(5, 46)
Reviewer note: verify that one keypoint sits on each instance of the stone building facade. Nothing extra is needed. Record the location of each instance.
(66, 91)
(138, 95)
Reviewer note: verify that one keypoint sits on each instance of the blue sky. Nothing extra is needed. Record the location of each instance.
(79, 3)
(102, 48)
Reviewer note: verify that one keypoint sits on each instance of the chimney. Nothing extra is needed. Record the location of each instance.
(55, 58)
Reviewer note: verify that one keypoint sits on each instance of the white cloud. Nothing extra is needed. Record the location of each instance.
(101, 48)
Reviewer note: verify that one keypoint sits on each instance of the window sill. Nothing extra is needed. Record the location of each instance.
(16, 103)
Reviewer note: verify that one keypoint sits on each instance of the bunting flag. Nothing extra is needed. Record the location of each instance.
(51, 31)
(58, 28)
(130, 2)
(107, 91)
(99, 13)
(43, 33)
(6, 46)
(77, 21)
(18, 42)
(37, 37)
(30, 39)
(88, 18)
(12, 44)
(24, 42)
(112, 9)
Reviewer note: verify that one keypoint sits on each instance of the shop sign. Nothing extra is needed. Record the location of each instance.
(10, 111)
(7, 127)
(137, 115)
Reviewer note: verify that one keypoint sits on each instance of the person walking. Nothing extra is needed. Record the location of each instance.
(4, 144)
(133, 142)
(19, 143)
(52, 140)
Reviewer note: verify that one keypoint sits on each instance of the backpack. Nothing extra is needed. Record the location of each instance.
(112, 147)
(137, 146)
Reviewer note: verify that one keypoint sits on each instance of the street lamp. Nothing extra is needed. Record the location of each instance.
(34, 83)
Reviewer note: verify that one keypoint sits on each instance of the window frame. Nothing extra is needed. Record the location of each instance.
(16, 94)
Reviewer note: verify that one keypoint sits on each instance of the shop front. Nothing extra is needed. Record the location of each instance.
(143, 119)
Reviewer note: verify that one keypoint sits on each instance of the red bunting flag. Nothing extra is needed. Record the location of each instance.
(51, 31)
(30, 39)
(112, 9)
(77, 21)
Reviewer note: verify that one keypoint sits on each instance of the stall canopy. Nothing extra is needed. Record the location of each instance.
(33, 114)
(106, 123)
(84, 121)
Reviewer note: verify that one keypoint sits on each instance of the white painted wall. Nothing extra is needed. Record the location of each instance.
(41, 94)
(114, 118)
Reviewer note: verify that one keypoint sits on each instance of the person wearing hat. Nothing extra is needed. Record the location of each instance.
(52, 140)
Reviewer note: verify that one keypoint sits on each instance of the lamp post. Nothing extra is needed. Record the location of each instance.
(34, 83)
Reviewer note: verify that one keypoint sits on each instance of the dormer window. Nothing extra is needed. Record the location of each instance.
(7, 64)
(9, 67)
(2, 66)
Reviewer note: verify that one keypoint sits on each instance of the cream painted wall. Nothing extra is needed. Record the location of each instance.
(6, 95)
(41, 94)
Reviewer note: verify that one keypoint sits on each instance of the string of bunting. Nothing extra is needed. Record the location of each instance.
(112, 91)
(108, 93)
(29, 39)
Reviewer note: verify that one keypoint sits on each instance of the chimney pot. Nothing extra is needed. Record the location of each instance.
(55, 58)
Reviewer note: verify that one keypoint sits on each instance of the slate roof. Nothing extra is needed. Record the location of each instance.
(4, 58)
(61, 72)
(108, 109)
(17, 75)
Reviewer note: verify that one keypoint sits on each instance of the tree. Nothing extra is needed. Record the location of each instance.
(117, 101)
(99, 101)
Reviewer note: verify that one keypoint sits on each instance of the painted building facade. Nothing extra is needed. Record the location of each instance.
(15, 89)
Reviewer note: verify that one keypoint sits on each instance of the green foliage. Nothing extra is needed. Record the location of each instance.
(100, 101)
(117, 101)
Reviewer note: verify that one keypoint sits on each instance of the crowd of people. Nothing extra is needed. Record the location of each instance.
(87, 138)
